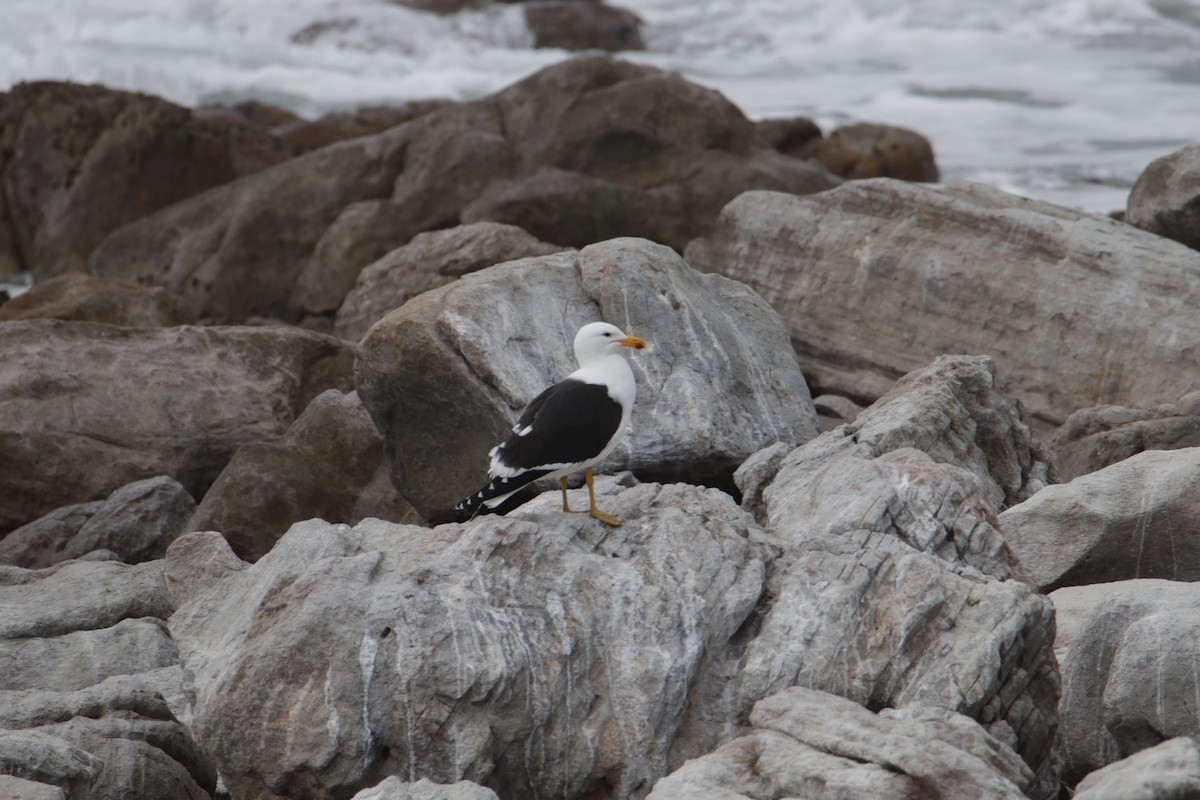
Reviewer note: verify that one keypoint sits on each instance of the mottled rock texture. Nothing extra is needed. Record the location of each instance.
(84, 298)
(1094, 438)
(1165, 199)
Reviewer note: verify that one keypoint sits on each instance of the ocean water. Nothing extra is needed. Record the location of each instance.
(1062, 100)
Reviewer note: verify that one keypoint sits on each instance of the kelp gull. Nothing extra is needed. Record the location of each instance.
(568, 427)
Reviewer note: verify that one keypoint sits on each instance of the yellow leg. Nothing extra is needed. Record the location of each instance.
(563, 482)
(607, 519)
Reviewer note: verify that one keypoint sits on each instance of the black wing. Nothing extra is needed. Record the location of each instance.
(570, 422)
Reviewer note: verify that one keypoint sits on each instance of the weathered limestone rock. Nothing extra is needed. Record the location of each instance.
(1093, 438)
(1129, 680)
(1165, 199)
(1169, 771)
(84, 298)
(539, 654)
(90, 690)
(878, 277)
(445, 376)
(892, 584)
(430, 260)
(290, 241)
(87, 408)
(1139, 518)
(818, 746)
(395, 789)
(324, 466)
(137, 523)
(78, 162)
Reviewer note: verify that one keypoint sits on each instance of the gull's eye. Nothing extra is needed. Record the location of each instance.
(607, 334)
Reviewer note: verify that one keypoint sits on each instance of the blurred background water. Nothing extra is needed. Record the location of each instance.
(1062, 100)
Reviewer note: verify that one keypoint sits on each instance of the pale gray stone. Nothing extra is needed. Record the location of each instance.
(813, 745)
(135, 523)
(877, 277)
(86, 670)
(446, 375)
(893, 585)
(1139, 518)
(1169, 771)
(86, 408)
(396, 789)
(47, 767)
(430, 260)
(1129, 679)
(542, 652)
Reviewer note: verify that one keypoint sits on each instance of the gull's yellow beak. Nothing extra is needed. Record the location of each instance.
(632, 341)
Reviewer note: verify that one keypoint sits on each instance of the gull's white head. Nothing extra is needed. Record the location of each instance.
(598, 339)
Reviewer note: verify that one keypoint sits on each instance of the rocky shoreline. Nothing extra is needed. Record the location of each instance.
(262, 359)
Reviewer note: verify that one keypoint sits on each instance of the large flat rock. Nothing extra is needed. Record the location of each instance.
(878, 277)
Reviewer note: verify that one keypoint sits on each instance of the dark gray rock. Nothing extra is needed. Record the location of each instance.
(582, 151)
(86, 409)
(1165, 199)
(1094, 438)
(324, 466)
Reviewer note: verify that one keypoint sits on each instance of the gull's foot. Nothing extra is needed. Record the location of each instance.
(607, 519)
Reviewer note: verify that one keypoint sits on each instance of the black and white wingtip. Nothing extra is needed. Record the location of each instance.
(497, 491)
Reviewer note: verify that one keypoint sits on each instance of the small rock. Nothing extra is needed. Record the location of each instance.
(583, 26)
(1169, 771)
(1165, 198)
(319, 468)
(817, 746)
(1129, 679)
(877, 151)
(430, 260)
(1094, 438)
(1139, 518)
(395, 789)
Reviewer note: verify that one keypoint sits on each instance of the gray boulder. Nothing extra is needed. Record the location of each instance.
(91, 693)
(878, 277)
(1093, 438)
(1139, 518)
(85, 298)
(1169, 771)
(818, 746)
(396, 789)
(672, 151)
(893, 585)
(1129, 679)
(1165, 199)
(430, 260)
(329, 465)
(445, 376)
(144, 403)
(541, 654)
(136, 523)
